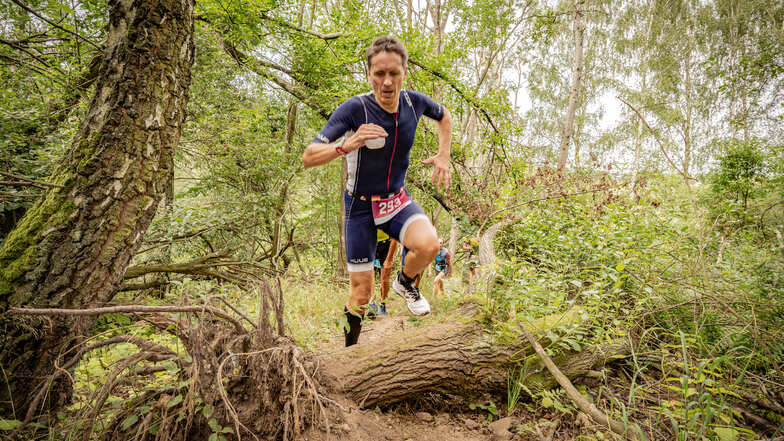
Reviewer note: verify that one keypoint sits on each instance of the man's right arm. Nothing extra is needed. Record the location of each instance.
(318, 153)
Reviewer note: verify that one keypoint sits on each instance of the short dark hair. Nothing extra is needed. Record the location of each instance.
(387, 43)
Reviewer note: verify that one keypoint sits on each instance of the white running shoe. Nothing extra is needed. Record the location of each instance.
(417, 304)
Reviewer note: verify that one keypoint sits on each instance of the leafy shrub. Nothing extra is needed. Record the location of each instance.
(741, 177)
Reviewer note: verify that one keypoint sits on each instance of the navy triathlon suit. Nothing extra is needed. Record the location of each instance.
(375, 174)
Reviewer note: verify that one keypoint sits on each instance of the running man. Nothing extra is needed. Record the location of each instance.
(375, 132)
(443, 267)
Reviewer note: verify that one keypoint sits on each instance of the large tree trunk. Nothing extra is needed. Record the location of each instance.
(72, 247)
(577, 68)
(459, 357)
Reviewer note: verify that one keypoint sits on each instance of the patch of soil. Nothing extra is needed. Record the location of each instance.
(364, 425)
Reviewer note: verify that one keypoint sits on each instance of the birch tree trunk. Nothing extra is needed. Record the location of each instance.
(342, 266)
(453, 232)
(643, 91)
(283, 195)
(72, 247)
(577, 68)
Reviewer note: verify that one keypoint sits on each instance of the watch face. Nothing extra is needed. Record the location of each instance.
(375, 143)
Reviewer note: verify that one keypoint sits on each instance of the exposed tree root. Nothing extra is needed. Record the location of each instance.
(257, 383)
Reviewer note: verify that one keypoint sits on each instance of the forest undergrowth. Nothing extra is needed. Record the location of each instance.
(700, 304)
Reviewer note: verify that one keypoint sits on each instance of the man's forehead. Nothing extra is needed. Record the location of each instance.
(378, 60)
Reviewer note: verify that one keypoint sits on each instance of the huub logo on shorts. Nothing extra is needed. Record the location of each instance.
(362, 260)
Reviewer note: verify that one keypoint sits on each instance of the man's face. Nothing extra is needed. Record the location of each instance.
(386, 75)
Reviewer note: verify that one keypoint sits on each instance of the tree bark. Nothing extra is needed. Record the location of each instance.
(577, 68)
(456, 357)
(643, 91)
(342, 266)
(72, 247)
(283, 195)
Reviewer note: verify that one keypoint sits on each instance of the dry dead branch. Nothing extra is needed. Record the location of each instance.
(632, 431)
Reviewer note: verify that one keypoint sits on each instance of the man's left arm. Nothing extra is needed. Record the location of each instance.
(440, 161)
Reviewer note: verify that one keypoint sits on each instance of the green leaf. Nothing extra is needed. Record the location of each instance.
(620, 267)
(213, 437)
(207, 411)
(492, 409)
(547, 402)
(9, 424)
(174, 401)
(213, 423)
(227, 430)
(130, 420)
(726, 433)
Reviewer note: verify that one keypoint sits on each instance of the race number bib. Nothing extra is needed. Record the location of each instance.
(386, 209)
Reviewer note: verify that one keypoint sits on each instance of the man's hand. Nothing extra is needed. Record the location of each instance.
(441, 173)
(364, 133)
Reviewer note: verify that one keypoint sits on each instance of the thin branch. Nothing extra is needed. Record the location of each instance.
(39, 184)
(285, 24)
(31, 66)
(37, 58)
(658, 138)
(471, 100)
(143, 286)
(438, 196)
(125, 309)
(5, 195)
(259, 68)
(37, 14)
(236, 311)
(547, 198)
(632, 432)
(183, 236)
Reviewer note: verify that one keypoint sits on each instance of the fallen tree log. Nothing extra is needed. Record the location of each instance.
(459, 356)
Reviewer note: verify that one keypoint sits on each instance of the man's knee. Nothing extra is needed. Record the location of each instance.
(431, 247)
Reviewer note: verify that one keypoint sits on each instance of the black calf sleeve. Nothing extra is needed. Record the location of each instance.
(405, 279)
(354, 326)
